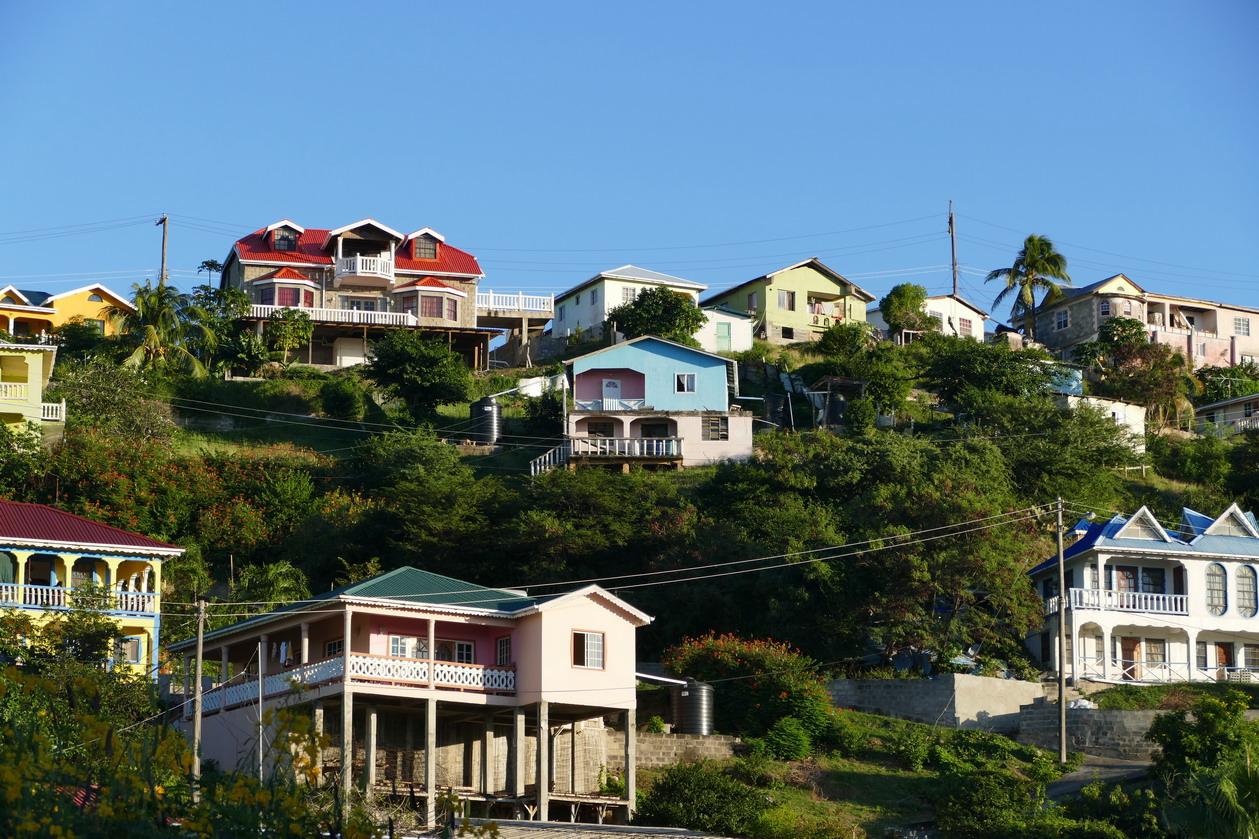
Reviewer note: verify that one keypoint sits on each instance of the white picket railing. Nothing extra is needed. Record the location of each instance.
(351, 316)
(557, 456)
(519, 302)
(53, 411)
(374, 668)
(59, 597)
(1122, 601)
(625, 447)
(14, 390)
(365, 266)
(611, 404)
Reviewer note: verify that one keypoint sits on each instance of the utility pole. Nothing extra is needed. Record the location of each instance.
(164, 221)
(953, 241)
(196, 705)
(1062, 646)
(261, 727)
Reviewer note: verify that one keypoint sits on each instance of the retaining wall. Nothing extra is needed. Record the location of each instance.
(657, 750)
(1118, 734)
(952, 699)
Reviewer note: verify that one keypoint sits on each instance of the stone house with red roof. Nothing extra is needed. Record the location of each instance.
(47, 555)
(359, 281)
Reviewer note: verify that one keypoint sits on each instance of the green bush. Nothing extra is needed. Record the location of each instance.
(842, 737)
(860, 415)
(1134, 811)
(342, 399)
(988, 804)
(699, 797)
(787, 740)
(655, 725)
(1218, 732)
(912, 746)
(787, 682)
(302, 372)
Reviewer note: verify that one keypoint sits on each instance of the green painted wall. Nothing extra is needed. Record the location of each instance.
(804, 324)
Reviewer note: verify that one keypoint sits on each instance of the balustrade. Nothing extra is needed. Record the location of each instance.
(1122, 601)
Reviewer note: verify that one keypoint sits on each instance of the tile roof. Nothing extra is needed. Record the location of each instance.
(429, 282)
(309, 251)
(284, 273)
(33, 523)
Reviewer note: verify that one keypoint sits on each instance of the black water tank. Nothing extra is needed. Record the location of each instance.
(692, 708)
(487, 420)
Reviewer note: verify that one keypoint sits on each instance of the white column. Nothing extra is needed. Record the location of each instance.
(370, 749)
(347, 741)
(1101, 588)
(487, 756)
(518, 752)
(305, 659)
(631, 758)
(544, 761)
(1106, 652)
(432, 641)
(1191, 636)
(430, 762)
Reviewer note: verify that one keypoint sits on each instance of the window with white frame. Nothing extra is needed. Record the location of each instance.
(964, 326)
(127, 650)
(96, 298)
(1250, 656)
(1061, 320)
(462, 652)
(1153, 581)
(588, 649)
(684, 383)
(594, 297)
(752, 302)
(560, 314)
(787, 301)
(1104, 308)
(430, 306)
(1247, 604)
(1200, 655)
(1217, 589)
(503, 651)
(332, 648)
(1241, 326)
(426, 248)
(628, 294)
(1200, 348)
(1127, 307)
(284, 239)
(452, 309)
(1155, 651)
(408, 646)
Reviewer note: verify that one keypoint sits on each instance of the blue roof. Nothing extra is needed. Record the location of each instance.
(1105, 535)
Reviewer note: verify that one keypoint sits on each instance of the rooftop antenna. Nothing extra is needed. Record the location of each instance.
(953, 241)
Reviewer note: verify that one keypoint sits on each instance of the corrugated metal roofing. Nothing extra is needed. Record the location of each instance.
(256, 248)
(37, 522)
(415, 586)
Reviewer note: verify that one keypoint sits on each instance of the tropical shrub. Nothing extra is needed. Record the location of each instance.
(787, 740)
(700, 797)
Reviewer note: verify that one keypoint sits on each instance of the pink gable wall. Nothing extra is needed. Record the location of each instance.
(589, 385)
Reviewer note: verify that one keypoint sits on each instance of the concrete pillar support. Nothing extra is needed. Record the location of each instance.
(487, 756)
(518, 752)
(631, 757)
(430, 762)
(370, 744)
(544, 760)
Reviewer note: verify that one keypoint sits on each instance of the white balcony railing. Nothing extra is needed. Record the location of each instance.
(1122, 601)
(611, 404)
(14, 390)
(519, 302)
(352, 316)
(59, 597)
(380, 267)
(53, 411)
(557, 456)
(625, 447)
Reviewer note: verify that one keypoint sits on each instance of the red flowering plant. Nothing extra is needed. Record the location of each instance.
(756, 682)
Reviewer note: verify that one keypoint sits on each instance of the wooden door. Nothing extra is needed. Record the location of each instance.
(1223, 660)
(1129, 651)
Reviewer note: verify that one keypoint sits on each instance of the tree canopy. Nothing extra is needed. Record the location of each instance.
(904, 308)
(661, 312)
(1035, 268)
(422, 372)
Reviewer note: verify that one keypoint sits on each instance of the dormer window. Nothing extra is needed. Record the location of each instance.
(426, 248)
(284, 239)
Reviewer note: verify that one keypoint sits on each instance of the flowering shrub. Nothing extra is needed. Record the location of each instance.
(757, 682)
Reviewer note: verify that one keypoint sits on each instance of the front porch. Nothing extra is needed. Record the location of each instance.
(1157, 654)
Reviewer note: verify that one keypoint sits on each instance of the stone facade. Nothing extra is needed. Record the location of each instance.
(658, 750)
(1118, 734)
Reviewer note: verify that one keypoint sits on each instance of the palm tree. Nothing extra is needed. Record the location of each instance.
(160, 323)
(1036, 263)
(211, 267)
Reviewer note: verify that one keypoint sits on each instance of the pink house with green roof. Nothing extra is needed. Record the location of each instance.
(425, 683)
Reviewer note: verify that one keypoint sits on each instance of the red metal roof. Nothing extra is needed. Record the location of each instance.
(285, 273)
(39, 523)
(256, 247)
(426, 282)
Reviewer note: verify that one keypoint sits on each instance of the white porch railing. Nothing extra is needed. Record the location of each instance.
(59, 597)
(53, 411)
(557, 456)
(518, 302)
(14, 390)
(352, 316)
(1133, 670)
(1122, 601)
(365, 266)
(373, 668)
(625, 447)
(611, 404)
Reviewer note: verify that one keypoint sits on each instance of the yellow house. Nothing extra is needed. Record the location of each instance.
(25, 312)
(24, 372)
(47, 555)
(796, 303)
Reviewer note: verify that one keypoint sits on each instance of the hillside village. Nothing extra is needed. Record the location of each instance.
(350, 519)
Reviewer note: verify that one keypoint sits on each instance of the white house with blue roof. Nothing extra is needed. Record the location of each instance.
(1146, 603)
(652, 402)
(423, 682)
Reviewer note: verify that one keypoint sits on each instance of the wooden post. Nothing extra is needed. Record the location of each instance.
(544, 761)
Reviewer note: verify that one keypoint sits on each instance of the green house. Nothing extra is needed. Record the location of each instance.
(796, 303)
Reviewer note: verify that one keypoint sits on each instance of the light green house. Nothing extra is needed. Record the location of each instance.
(24, 372)
(796, 303)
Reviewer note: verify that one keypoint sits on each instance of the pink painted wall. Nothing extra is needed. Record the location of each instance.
(555, 678)
(484, 637)
(589, 385)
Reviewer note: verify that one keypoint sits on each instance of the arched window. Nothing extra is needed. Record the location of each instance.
(1217, 589)
(95, 298)
(1247, 602)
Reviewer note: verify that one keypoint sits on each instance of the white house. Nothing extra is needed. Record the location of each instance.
(1127, 414)
(725, 330)
(1239, 413)
(956, 316)
(585, 306)
(1149, 604)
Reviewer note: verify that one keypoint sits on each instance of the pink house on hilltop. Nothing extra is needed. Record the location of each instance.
(424, 683)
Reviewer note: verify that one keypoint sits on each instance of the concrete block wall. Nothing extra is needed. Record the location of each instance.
(657, 750)
(952, 699)
(1118, 733)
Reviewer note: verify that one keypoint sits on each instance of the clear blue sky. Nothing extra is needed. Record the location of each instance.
(715, 141)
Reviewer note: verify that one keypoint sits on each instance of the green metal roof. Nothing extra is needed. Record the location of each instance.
(412, 585)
